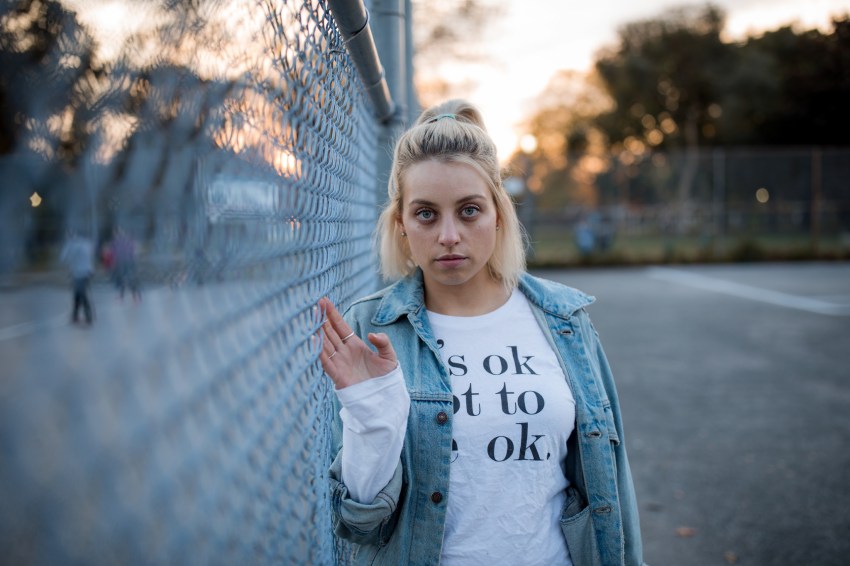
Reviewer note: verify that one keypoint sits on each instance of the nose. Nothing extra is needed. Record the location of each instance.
(449, 235)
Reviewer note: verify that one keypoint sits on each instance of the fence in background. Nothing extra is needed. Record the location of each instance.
(721, 204)
(231, 143)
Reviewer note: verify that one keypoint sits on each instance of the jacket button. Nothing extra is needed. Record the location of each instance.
(442, 417)
(436, 497)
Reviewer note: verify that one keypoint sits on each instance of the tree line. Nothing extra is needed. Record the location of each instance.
(673, 84)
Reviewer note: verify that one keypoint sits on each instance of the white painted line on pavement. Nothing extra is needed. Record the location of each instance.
(24, 328)
(742, 291)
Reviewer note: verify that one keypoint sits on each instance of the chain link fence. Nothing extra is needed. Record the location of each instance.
(719, 204)
(226, 151)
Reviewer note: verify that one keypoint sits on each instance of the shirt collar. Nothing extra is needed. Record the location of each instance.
(407, 296)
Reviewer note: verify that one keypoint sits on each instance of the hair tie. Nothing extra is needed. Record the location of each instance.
(441, 116)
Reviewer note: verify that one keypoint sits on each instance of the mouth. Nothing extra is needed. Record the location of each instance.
(450, 260)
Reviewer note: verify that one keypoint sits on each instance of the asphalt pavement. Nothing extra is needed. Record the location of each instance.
(735, 389)
(733, 379)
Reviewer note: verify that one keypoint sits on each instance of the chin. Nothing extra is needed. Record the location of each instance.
(452, 278)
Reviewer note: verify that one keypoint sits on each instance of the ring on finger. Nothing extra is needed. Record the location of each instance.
(347, 338)
(332, 355)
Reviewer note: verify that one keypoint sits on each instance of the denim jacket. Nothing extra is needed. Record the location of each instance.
(405, 522)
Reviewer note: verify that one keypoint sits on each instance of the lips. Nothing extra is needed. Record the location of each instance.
(451, 260)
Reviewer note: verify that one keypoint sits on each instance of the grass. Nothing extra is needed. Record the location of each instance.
(554, 248)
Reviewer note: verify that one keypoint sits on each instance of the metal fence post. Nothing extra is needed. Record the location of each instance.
(413, 108)
(390, 26)
(817, 180)
(719, 195)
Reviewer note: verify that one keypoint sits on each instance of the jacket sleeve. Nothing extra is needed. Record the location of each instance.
(364, 523)
(625, 487)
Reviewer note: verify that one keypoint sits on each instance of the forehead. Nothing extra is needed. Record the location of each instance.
(438, 180)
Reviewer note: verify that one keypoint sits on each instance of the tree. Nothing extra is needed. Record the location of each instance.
(569, 147)
(667, 78)
(674, 87)
(45, 64)
(811, 86)
(446, 34)
(46, 68)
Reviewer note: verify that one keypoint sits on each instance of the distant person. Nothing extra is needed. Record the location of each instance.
(200, 265)
(603, 231)
(585, 240)
(78, 256)
(107, 258)
(478, 421)
(124, 272)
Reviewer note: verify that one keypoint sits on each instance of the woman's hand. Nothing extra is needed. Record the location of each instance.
(345, 357)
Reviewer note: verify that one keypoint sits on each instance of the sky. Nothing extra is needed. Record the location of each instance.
(529, 43)
(534, 39)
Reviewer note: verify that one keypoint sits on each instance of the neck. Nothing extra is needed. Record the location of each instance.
(465, 300)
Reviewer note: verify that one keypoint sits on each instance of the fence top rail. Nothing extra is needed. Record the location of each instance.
(352, 19)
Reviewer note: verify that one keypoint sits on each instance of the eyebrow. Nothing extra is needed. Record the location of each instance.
(460, 200)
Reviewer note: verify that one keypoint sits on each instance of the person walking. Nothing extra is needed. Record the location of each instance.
(124, 273)
(477, 420)
(78, 256)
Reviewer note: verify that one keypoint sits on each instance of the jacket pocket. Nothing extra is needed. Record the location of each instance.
(577, 526)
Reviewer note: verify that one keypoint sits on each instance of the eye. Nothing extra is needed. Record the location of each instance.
(469, 211)
(424, 214)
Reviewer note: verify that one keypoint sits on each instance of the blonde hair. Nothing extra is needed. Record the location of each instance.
(451, 132)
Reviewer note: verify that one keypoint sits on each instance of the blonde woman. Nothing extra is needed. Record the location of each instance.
(478, 418)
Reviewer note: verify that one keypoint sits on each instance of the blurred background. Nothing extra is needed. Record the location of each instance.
(664, 132)
(182, 181)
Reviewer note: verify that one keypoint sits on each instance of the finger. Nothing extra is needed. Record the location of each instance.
(328, 330)
(342, 328)
(326, 358)
(331, 336)
(329, 368)
(327, 347)
(382, 343)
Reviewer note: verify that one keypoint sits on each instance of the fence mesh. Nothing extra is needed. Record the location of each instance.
(220, 157)
(716, 204)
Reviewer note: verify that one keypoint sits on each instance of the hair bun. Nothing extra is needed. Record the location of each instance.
(440, 117)
(457, 109)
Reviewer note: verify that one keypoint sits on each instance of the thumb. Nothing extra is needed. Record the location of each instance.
(382, 343)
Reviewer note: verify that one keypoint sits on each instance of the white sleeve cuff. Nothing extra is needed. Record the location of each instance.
(374, 416)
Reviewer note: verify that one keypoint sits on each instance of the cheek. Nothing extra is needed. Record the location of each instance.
(415, 239)
(487, 228)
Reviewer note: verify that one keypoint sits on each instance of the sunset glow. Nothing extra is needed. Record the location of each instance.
(528, 46)
(111, 22)
(525, 47)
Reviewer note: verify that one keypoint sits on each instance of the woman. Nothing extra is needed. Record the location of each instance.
(484, 426)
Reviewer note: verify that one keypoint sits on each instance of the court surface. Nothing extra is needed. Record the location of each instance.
(735, 387)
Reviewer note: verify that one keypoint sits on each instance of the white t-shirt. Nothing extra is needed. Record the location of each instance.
(513, 415)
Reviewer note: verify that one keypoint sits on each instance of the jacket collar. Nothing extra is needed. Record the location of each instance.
(554, 298)
(404, 297)
(407, 297)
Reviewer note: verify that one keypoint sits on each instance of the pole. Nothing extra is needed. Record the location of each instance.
(352, 19)
(719, 195)
(390, 39)
(817, 180)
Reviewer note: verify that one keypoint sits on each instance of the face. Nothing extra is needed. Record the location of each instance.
(450, 219)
